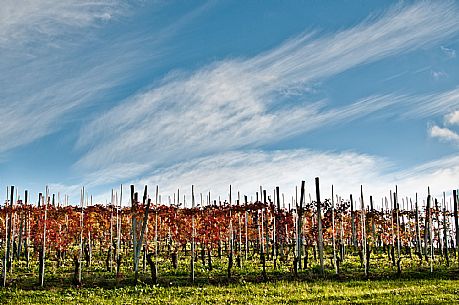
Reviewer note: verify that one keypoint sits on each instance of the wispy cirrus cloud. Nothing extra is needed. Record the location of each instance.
(24, 20)
(40, 97)
(42, 82)
(428, 105)
(56, 80)
(241, 102)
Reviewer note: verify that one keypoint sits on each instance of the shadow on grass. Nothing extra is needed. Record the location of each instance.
(106, 280)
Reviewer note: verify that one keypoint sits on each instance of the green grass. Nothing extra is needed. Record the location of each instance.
(416, 285)
(393, 291)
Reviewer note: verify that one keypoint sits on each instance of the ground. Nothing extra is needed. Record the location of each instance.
(416, 285)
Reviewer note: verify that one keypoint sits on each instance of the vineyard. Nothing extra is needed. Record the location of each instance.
(52, 243)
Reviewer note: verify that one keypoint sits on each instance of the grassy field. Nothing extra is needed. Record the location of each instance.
(416, 285)
(391, 291)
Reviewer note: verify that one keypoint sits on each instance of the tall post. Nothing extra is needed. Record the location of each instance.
(354, 234)
(21, 230)
(262, 255)
(7, 245)
(27, 230)
(192, 234)
(239, 227)
(392, 229)
(142, 233)
(118, 232)
(320, 238)
(439, 241)
(397, 212)
(373, 226)
(456, 221)
(110, 255)
(80, 257)
(9, 264)
(341, 235)
(43, 248)
(266, 222)
(445, 231)
(156, 232)
(245, 228)
(333, 232)
(416, 219)
(426, 228)
(283, 236)
(300, 225)
(134, 226)
(364, 236)
(231, 236)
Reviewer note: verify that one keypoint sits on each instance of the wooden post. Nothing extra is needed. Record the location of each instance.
(7, 245)
(335, 262)
(428, 231)
(139, 243)
(134, 226)
(266, 223)
(439, 241)
(80, 257)
(109, 257)
(392, 229)
(192, 234)
(354, 233)
(445, 231)
(118, 232)
(156, 234)
(263, 258)
(341, 235)
(231, 237)
(21, 230)
(456, 221)
(320, 240)
(373, 226)
(300, 225)
(239, 231)
(426, 228)
(364, 235)
(43, 249)
(418, 233)
(245, 227)
(89, 245)
(27, 230)
(397, 211)
(277, 220)
(9, 264)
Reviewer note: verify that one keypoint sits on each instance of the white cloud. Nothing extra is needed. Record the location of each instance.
(241, 102)
(429, 105)
(38, 101)
(48, 87)
(444, 134)
(440, 175)
(451, 53)
(43, 82)
(24, 20)
(247, 170)
(452, 118)
(437, 75)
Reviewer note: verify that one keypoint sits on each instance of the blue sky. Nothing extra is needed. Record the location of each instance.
(104, 92)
